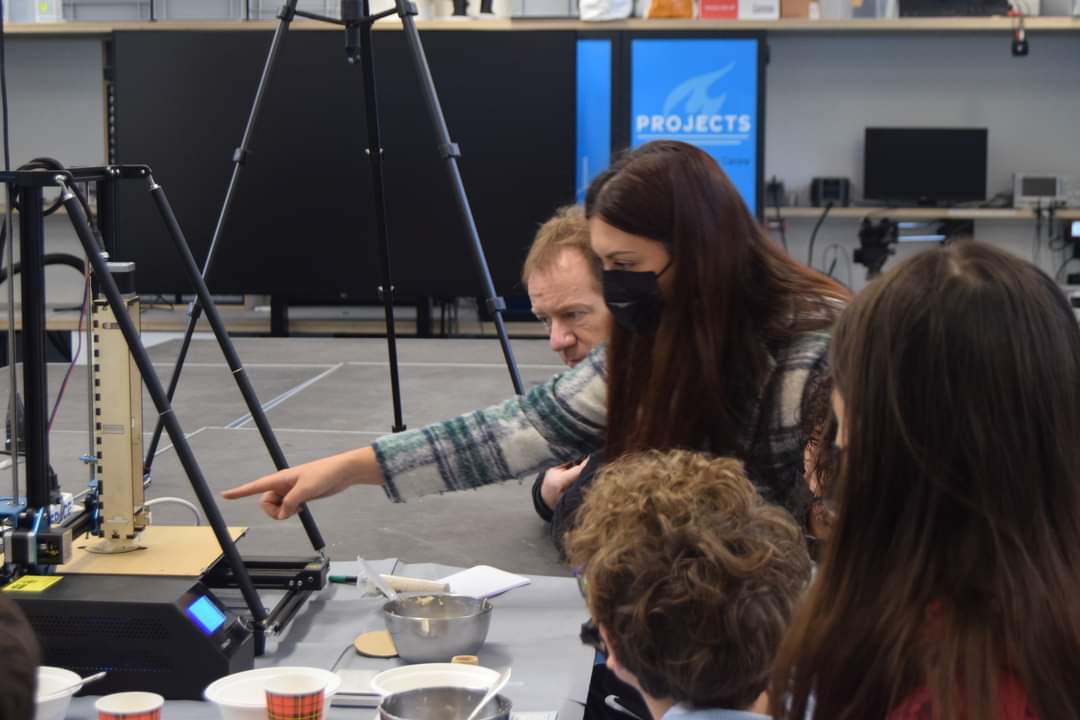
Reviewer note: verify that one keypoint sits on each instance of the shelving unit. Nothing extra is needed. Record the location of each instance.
(827, 80)
(921, 213)
(896, 25)
(895, 213)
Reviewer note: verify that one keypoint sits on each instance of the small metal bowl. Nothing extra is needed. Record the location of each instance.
(434, 627)
(442, 703)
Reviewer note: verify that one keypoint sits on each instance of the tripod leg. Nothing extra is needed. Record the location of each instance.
(450, 153)
(288, 11)
(161, 403)
(229, 350)
(386, 292)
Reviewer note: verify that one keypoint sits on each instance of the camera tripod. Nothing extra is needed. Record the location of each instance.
(357, 20)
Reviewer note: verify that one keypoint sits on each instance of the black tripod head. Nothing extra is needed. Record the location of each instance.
(877, 241)
(352, 14)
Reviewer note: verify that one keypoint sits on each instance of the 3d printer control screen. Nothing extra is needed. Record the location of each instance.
(206, 615)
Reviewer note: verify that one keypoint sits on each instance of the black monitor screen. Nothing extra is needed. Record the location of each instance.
(303, 222)
(925, 165)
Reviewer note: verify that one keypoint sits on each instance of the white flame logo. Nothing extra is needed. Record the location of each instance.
(694, 93)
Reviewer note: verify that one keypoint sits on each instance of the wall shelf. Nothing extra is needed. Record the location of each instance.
(920, 213)
(893, 213)
(791, 25)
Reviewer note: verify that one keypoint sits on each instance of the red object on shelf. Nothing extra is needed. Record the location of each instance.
(722, 9)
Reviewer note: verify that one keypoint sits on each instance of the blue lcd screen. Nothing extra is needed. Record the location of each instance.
(206, 615)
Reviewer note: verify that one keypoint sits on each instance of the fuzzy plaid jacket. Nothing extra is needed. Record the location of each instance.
(563, 419)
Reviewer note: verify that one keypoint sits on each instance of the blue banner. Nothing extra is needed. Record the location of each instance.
(593, 111)
(703, 91)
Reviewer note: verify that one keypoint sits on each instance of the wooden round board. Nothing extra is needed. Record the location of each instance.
(376, 644)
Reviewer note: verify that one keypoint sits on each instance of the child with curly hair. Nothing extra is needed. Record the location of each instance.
(691, 579)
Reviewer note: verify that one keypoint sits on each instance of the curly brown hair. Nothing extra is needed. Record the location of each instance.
(693, 576)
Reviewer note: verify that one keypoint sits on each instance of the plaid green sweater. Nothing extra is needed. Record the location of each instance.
(563, 419)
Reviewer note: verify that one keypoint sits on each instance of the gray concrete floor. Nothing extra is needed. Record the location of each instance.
(325, 396)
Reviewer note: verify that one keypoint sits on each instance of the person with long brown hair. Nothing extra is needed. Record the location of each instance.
(950, 580)
(721, 337)
(20, 655)
(718, 328)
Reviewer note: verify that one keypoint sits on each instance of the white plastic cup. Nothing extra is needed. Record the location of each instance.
(130, 706)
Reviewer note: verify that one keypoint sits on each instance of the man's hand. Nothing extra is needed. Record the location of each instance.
(557, 480)
(284, 492)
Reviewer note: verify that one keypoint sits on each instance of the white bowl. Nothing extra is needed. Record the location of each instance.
(242, 696)
(414, 677)
(51, 702)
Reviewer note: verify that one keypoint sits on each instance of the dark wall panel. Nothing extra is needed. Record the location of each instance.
(302, 223)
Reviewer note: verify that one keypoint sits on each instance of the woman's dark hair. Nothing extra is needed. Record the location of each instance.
(735, 294)
(954, 560)
(19, 659)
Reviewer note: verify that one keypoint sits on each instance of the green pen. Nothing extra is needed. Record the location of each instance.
(400, 584)
(343, 579)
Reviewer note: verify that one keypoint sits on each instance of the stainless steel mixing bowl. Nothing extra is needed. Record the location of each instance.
(442, 703)
(434, 627)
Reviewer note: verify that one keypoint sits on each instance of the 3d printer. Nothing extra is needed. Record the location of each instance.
(167, 631)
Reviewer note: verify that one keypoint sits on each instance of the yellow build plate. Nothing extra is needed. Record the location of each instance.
(184, 551)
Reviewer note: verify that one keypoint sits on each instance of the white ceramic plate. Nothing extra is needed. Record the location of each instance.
(413, 677)
(243, 695)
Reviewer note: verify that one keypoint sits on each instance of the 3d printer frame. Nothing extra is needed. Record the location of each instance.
(34, 543)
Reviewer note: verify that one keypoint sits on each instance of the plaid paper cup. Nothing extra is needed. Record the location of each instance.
(130, 706)
(295, 696)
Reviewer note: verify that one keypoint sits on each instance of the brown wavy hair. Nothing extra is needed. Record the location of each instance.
(735, 295)
(954, 560)
(693, 576)
(567, 228)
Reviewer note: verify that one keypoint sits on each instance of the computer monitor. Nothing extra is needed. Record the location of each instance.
(925, 166)
(953, 8)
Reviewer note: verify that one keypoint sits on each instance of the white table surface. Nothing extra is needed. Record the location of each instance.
(534, 629)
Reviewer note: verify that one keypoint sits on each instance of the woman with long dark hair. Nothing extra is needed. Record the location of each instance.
(722, 338)
(950, 581)
(717, 328)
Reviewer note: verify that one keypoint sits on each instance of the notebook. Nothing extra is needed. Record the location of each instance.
(483, 581)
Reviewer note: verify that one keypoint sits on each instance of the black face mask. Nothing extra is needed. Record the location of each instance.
(634, 299)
